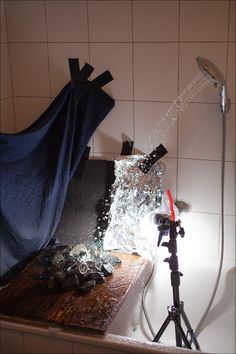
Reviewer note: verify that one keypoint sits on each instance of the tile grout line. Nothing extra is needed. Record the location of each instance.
(177, 128)
(89, 58)
(10, 70)
(49, 76)
(132, 54)
(120, 42)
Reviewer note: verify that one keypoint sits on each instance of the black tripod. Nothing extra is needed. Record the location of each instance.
(175, 311)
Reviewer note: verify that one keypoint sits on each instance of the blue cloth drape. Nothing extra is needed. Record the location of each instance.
(37, 165)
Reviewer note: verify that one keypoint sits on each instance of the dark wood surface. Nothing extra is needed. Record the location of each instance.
(28, 297)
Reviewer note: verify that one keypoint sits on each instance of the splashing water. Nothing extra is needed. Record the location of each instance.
(172, 114)
(135, 196)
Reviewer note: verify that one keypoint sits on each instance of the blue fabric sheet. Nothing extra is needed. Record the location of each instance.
(37, 165)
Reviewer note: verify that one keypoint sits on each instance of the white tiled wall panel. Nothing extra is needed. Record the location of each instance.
(230, 134)
(28, 109)
(201, 236)
(58, 62)
(150, 131)
(67, 21)
(7, 121)
(7, 116)
(203, 21)
(110, 21)
(199, 184)
(169, 178)
(155, 21)
(231, 72)
(29, 67)
(3, 23)
(117, 58)
(6, 87)
(232, 20)
(116, 127)
(203, 123)
(155, 71)
(206, 122)
(26, 21)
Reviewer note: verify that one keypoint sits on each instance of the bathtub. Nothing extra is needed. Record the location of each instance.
(18, 336)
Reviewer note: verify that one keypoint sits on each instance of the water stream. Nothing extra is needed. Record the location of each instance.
(173, 112)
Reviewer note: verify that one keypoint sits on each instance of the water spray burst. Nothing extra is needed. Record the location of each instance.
(172, 114)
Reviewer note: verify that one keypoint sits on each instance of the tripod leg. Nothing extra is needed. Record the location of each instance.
(181, 333)
(190, 330)
(162, 329)
(177, 334)
(178, 339)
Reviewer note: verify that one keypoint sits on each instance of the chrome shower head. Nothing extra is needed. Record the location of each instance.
(215, 75)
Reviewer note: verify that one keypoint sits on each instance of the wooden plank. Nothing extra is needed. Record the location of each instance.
(28, 297)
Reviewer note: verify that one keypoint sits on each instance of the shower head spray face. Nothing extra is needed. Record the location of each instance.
(211, 71)
(215, 75)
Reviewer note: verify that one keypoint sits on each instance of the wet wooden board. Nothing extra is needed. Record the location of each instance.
(27, 296)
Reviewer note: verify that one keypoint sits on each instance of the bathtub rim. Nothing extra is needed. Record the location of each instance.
(109, 341)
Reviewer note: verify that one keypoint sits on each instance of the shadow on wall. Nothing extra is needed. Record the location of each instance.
(226, 301)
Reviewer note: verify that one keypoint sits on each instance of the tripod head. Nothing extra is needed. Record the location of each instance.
(167, 226)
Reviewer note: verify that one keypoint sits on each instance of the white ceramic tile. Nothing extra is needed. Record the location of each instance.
(155, 21)
(28, 109)
(232, 23)
(105, 156)
(110, 21)
(59, 65)
(188, 69)
(67, 21)
(198, 20)
(199, 184)
(26, 21)
(155, 71)
(170, 176)
(7, 116)
(3, 23)
(29, 66)
(200, 132)
(118, 124)
(149, 129)
(230, 153)
(201, 235)
(6, 87)
(11, 341)
(230, 178)
(117, 58)
(231, 73)
(229, 233)
(34, 343)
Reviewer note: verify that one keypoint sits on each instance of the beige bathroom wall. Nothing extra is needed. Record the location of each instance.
(150, 48)
(7, 121)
